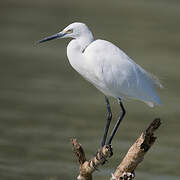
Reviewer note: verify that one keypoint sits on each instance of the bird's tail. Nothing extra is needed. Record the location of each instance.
(155, 80)
(150, 104)
(156, 100)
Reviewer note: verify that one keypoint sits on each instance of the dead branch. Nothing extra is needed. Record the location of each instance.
(86, 168)
(135, 155)
(126, 168)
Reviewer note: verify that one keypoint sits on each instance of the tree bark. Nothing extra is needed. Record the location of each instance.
(126, 168)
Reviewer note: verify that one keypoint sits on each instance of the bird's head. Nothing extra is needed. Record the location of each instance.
(74, 30)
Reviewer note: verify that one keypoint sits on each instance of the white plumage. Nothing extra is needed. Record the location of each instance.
(107, 67)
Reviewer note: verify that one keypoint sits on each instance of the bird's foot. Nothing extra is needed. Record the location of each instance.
(102, 158)
(104, 153)
(94, 165)
(110, 150)
(109, 153)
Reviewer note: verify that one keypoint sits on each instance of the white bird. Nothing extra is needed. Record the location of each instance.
(109, 69)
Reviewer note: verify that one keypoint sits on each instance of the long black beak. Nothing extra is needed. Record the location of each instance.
(55, 36)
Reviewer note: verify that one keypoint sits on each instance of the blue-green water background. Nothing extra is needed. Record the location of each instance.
(44, 102)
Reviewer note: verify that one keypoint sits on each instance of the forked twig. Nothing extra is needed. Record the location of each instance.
(126, 168)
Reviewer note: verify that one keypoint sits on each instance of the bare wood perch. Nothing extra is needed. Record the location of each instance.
(125, 170)
(86, 168)
(135, 155)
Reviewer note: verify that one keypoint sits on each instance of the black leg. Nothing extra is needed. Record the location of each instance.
(117, 123)
(109, 117)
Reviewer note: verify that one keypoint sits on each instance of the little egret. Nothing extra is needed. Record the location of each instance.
(109, 69)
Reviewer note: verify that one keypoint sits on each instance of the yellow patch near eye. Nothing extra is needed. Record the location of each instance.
(69, 31)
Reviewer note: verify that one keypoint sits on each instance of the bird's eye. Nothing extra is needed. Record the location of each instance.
(69, 31)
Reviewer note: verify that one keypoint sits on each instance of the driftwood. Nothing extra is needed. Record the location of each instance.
(126, 168)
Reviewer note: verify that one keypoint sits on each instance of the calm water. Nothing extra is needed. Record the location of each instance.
(43, 102)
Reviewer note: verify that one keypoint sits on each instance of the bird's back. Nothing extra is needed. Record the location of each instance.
(115, 74)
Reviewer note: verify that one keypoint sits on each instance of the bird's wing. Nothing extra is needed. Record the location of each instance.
(116, 72)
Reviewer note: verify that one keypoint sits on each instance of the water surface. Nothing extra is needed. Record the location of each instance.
(44, 102)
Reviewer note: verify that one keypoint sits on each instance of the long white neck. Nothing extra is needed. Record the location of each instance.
(76, 48)
(80, 43)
